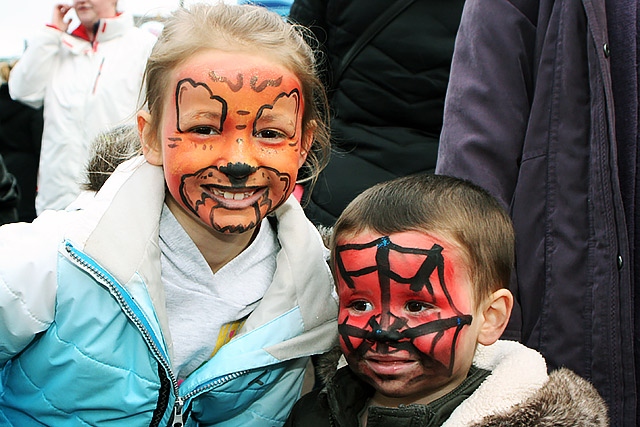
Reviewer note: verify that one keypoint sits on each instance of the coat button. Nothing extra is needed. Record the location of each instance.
(620, 262)
(607, 52)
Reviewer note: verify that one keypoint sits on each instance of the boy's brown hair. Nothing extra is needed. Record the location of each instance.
(454, 208)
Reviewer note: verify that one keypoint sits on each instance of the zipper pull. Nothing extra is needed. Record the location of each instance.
(178, 421)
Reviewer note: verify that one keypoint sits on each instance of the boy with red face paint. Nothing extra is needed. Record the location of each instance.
(421, 265)
(191, 289)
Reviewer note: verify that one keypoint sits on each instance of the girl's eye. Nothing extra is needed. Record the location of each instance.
(418, 306)
(204, 130)
(270, 134)
(361, 306)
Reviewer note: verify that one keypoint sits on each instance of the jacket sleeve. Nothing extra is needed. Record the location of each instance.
(488, 98)
(30, 76)
(28, 258)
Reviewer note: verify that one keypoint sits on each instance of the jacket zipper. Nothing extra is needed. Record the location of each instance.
(178, 415)
(95, 83)
(178, 420)
(108, 283)
(214, 383)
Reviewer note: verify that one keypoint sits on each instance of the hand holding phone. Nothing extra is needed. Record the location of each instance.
(59, 12)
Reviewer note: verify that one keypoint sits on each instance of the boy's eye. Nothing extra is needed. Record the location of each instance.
(204, 130)
(418, 306)
(361, 306)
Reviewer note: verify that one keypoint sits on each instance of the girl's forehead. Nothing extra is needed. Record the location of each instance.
(237, 71)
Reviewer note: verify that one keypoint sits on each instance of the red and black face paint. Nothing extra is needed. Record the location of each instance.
(397, 298)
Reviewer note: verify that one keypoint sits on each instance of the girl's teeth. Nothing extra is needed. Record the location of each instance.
(235, 196)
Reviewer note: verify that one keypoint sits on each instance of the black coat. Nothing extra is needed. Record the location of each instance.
(387, 106)
(20, 138)
(9, 195)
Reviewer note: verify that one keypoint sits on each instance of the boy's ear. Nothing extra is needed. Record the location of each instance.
(496, 313)
(150, 145)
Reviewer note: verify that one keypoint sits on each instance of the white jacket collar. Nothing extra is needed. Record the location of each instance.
(110, 28)
(517, 373)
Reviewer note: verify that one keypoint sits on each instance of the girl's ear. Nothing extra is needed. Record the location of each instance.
(150, 145)
(495, 315)
(306, 142)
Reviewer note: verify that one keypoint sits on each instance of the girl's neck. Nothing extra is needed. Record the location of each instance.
(217, 248)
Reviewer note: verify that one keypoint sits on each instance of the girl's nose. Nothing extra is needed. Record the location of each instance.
(232, 149)
(237, 172)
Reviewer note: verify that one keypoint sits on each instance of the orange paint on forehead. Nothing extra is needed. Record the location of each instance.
(235, 76)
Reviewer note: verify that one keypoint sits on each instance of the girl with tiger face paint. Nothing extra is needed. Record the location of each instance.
(232, 139)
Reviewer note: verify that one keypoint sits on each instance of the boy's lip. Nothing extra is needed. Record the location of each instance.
(385, 364)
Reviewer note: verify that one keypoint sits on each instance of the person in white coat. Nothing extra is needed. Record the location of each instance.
(89, 80)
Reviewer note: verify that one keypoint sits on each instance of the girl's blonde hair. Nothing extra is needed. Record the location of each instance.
(241, 28)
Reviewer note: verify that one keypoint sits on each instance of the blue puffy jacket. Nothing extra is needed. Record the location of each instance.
(82, 320)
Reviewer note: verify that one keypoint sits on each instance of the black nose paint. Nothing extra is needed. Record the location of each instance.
(237, 173)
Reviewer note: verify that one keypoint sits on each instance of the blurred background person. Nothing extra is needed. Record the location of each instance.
(88, 80)
(106, 152)
(20, 136)
(387, 69)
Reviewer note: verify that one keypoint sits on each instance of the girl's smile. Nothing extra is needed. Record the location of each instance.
(231, 138)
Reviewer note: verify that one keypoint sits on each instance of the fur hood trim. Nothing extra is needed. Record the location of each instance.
(565, 400)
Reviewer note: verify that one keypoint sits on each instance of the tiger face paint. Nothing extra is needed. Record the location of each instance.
(405, 318)
(232, 139)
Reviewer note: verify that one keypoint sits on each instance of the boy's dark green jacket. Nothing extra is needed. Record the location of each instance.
(516, 392)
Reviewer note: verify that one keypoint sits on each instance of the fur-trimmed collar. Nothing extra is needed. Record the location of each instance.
(565, 400)
(517, 393)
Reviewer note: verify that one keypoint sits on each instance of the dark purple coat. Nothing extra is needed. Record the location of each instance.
(529, 116)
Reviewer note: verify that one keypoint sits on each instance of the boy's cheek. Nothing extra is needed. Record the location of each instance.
(359, 320)
(352, 330)
(349, 346)
(437, 349)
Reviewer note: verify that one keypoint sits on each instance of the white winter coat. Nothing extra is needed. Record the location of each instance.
(86, 88)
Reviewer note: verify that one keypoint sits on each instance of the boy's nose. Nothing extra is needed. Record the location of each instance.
(382, 335)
